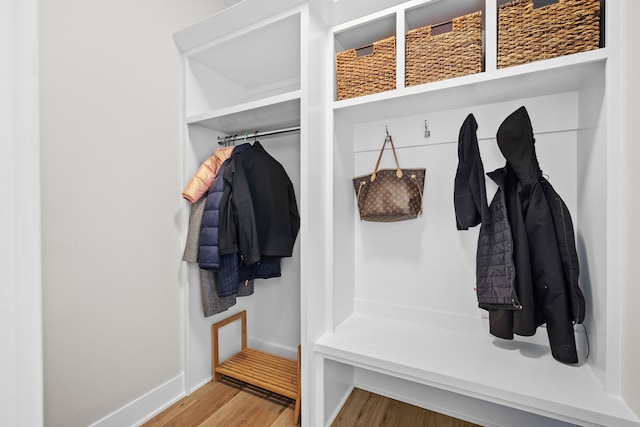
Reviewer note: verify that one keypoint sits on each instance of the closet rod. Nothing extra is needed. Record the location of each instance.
(234, 138)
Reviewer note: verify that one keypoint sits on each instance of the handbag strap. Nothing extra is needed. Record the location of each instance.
(395, 156)
(415, 178)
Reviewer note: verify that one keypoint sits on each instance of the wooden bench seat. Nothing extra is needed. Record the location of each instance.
(258, 368)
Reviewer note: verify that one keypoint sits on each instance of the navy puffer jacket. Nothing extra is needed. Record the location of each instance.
(209, 253)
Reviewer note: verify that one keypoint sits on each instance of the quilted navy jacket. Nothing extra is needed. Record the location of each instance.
(209, 253)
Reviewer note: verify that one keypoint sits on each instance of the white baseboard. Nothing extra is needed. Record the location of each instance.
(146, 406)
(269, 347)
(155, 401)
(201, 384)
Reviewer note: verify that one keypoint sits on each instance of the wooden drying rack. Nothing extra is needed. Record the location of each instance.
(267, 371)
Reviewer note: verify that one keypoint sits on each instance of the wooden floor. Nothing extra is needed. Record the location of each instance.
(227, 403)
(363, 408)
(231, 403)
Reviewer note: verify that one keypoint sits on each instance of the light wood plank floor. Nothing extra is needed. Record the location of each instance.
(365, 409)
(227, 403)
(231, 403)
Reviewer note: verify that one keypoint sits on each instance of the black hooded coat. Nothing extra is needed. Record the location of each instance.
(544, 253)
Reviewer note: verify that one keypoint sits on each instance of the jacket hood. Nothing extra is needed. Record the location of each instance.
(516, 142)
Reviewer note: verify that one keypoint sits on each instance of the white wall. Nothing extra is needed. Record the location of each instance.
(20, 279)
(111, 205)
(630, 342)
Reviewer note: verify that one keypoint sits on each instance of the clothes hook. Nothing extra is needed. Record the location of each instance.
(255, 137)
(245, 137)
(386, 129)
(427, 132)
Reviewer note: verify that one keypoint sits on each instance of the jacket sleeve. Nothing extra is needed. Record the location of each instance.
(240, 232)
(227, 233)
(293, 213)
(205, 175)
(202, 180)
(469, 193)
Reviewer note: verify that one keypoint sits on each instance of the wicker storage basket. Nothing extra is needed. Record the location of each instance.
(367, 74)
(456, 53)
(526, 34)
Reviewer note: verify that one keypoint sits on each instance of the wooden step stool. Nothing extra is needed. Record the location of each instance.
(264, 370)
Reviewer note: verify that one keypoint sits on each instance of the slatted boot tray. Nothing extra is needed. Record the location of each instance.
(264, 370)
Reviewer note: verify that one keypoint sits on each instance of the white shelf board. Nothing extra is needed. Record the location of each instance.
(264, 57)
(522, 375)
(225, 24)
(431, 13)
(552, 76)
(366, 33)
(280, 111)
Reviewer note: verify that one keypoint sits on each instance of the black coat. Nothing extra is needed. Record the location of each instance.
(544, 254)
(495, 272)
(469, 194)
(258, 214)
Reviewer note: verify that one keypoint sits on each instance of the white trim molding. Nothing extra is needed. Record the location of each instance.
(146, 406)
(21, 377)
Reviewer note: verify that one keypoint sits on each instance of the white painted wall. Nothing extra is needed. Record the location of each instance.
(111, 205)
(630, 342)
(20, 273)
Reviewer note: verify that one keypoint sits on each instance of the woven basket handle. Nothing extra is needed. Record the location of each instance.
(395, 156)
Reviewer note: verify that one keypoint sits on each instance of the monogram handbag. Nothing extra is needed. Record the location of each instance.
(388, 195)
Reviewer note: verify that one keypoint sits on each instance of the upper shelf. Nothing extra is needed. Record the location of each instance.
(245, 67)
(564, 74)
(224, 24)
(276, 112)
(491, 84)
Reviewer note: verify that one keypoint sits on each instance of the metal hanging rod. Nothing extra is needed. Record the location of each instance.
(222, 140)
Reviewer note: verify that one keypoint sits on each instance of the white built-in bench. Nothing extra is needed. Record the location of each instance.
(513, 374)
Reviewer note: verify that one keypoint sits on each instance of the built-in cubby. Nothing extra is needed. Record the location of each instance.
(391, 307)
(401, 299)
(254, 64)
(435, 13)
(239, 80)
(371, 64)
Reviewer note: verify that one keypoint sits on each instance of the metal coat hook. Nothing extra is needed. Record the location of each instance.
(386, 129)
(245, 137)
(427, 132)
